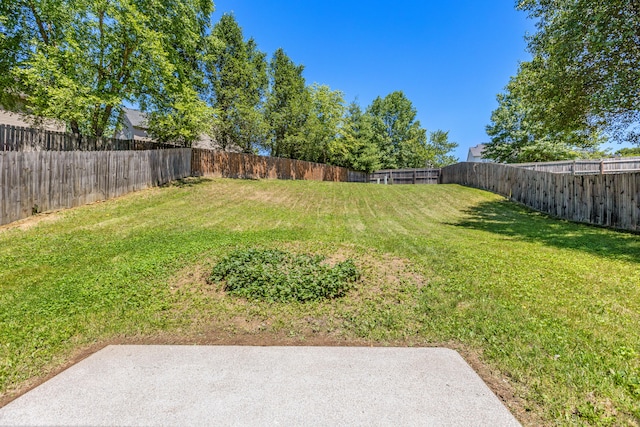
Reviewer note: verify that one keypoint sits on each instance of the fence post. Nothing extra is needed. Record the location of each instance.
(601, 167)
(414, 176)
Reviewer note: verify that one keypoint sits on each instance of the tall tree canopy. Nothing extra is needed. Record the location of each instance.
(355, 148)
(237, 73)
(587, 53)
(80, 60)
(439, 149)
(519, 135)
(288, 107)
(401, 140)
(323, 123)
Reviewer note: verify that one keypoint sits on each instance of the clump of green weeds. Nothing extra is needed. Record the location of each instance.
(278, 276)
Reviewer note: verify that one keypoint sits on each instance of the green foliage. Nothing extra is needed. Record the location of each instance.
(586, 52)
(237, 75)
(78, 61)
(629, 152)
(518, 134)
(288, 107)
(11, 41)
(355, 148)
(278, 276)
(182, 122)
(323, 124)
(439, 148)
(401, 141)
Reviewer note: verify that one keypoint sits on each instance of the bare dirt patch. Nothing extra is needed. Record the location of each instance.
(32, 221)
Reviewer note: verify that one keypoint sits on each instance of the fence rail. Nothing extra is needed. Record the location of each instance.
(42, 181)
(610, 200)
(14, 138)
(586, 167)
(405, 176)
(249, 166)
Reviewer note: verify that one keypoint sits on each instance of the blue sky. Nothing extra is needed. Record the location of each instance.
(449, 58)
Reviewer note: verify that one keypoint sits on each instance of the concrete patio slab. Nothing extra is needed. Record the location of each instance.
(190, 385)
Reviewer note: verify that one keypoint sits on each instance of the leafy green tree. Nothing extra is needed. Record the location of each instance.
(288, 107)
(178, 123)
(11, 44)
(587, 53)
(237, 73)
(354, 148)
(629, 152)
(401, 141)
(519, 135)
(439, 149)
(79, 60)
(323, 124)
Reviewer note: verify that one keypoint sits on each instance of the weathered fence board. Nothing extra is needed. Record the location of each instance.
(42, 181)
(586, 167)
(249, 166)
(406, 176)
(610, 200)
(13, 138)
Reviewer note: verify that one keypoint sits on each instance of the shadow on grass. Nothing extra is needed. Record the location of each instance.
(510, 219)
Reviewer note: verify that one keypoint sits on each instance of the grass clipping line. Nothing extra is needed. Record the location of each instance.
(278, 276)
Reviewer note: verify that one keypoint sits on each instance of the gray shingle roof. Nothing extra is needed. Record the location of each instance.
(477, 150)
(137, 118)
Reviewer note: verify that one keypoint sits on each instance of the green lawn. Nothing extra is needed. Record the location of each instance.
(548, 311)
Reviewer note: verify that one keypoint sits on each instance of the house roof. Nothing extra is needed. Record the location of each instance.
(10, 118)
(477, 150)
(136, 118)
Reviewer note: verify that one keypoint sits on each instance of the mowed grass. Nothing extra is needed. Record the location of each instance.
(550, 310)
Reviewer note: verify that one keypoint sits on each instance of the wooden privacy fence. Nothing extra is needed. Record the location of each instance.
(249, 166)
(586, 167)
(405, 176)
(41, 181)
(611, 200)
(13, 138)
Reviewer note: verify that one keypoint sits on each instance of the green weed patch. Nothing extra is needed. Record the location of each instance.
(277, 276)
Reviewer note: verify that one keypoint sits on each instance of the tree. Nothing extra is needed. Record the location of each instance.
(323, 123)
(288, 107)
(519, 135)
(78, 61)
(439, 149)
(629, 152)
(237, 73)
(587, 53)
(179, 123)
(11, 43)
(354, 148)
(401, 141)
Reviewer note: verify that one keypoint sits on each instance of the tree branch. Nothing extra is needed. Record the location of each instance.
(39, 23)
